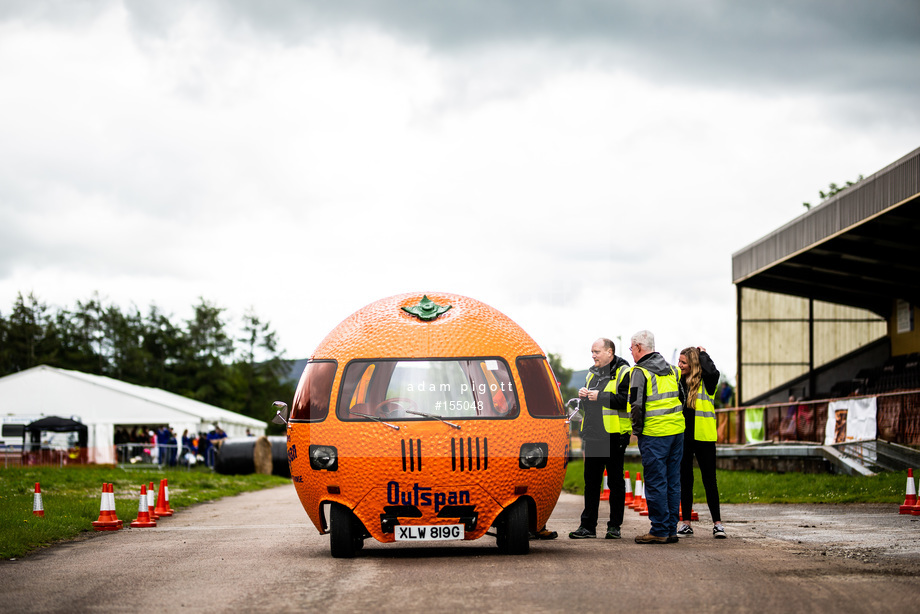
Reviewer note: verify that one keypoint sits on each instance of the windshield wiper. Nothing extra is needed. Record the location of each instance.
(427, 415)
(374, 418)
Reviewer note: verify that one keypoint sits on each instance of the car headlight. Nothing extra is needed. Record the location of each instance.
(324, 458)
(534, 455)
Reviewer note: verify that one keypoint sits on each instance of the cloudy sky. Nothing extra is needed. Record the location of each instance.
(588, 167)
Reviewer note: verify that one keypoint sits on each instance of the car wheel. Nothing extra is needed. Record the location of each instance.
(512, 531)
(342, 533)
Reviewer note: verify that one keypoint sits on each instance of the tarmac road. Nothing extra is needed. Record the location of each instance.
(258, 552)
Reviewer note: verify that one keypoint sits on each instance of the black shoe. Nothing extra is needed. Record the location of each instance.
(582, 533)
(613, 533)
(672, 539)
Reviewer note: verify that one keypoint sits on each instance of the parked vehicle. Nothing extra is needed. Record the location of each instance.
(427, 417)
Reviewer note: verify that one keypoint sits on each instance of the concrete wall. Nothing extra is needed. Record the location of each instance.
(775, 333)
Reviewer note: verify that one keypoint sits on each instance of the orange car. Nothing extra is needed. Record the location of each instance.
(427, 417)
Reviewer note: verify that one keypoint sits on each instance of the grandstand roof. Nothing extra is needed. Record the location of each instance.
(860, 247)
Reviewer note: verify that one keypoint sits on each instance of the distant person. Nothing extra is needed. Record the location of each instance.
(726, 392)
(658, 422)
(154, 450)
(700, 380)
(214, 439)
(173, 447)
(605, 430)
(162, 442)
(188, 448)
(204, 442)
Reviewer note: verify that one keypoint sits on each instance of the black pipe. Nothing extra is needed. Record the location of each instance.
(235, 456)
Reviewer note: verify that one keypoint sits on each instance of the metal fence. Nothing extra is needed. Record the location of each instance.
(175, 456)
(168, 456)
(36, 456)
(897, 420)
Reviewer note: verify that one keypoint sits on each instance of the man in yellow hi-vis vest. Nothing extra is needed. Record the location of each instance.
(604, 436)
(656, 409)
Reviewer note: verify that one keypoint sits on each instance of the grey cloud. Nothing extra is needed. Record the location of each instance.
(837, 45)
(813, 43)
(62, 12)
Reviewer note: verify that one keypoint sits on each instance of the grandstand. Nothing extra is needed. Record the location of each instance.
(827, 307)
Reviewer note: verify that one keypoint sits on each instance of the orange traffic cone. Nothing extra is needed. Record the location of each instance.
(37, 508)
(605, 490)
(108, 518)
(911, 499)
(167, 499)
(166, 490)
(628, 489)
(143, 512)
(637, 497)
(162, 508)
(152, 502)
(642, 504)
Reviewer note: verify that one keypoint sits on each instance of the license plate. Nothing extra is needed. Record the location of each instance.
(428, 532)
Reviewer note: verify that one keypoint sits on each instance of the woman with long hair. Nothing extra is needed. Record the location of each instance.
(699, 379)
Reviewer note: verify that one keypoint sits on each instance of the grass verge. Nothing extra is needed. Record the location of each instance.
(71, 497)
(756, 487)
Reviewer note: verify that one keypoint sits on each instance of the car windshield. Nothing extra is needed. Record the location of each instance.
(404, 389)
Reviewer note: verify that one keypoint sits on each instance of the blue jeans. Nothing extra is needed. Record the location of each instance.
(661, 458)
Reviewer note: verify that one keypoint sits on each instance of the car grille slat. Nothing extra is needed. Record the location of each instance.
(469, 460)
(466, 454)
(411, 455)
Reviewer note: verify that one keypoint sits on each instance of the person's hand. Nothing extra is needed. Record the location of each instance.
(582, 392)
(592, 395)
(700, 348)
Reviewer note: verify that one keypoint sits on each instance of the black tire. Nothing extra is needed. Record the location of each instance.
(513, 537)
(342, 533)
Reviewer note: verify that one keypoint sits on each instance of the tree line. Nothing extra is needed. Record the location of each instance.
(241, 369)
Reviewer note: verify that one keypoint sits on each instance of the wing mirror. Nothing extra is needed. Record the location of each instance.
(573, 406)
(282, 412)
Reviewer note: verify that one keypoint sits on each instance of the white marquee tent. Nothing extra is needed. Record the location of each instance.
(102, 404)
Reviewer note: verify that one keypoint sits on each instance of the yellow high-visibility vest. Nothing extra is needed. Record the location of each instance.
(704, 421)
(615, 420)
(663, 410)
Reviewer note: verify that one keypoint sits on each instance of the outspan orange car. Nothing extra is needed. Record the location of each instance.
(427, 417)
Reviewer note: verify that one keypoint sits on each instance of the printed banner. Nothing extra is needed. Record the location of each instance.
(753, 425)
(851, 420)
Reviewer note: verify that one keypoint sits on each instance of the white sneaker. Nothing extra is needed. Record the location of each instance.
(718, 531)
(685, 530)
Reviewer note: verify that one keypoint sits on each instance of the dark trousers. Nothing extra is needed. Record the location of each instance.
(705, 452)
(600, 455)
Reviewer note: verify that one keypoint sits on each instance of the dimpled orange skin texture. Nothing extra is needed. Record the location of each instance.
(370, 454)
